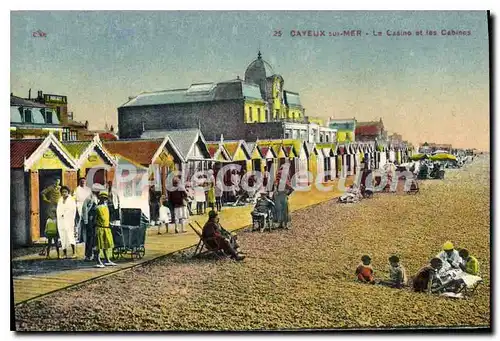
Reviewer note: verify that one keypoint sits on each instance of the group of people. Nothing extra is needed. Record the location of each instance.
(84, 217)
(176, 205)
(449, 271)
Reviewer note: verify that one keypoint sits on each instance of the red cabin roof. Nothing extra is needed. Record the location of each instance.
(21, 150)
(138, 151)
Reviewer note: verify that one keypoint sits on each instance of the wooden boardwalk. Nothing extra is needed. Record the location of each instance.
(35, 277)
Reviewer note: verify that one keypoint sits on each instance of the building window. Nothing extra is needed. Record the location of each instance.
(258, 114)
(48, 117)
(277, 113)
(250, 114)
(73, 135)
(28, 117)
(327, 138)
(65, 134)
(321, 138)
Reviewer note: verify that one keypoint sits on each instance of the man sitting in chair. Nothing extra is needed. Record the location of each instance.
(263, 206)
(215, 237)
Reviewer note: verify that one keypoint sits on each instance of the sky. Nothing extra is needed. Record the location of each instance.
(429, 88)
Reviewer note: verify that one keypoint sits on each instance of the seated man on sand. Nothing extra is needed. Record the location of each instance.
(215, 237)
(450, 256)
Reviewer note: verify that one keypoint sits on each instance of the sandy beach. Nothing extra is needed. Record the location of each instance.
(302, 278)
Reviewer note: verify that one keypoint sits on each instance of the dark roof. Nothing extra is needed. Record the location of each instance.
(21, 102)
(206, 92)
(21, 150)
(258, 70)
(140, 151)
(183, 139)
(292, 99)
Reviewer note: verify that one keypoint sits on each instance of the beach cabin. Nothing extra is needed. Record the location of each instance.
(90, 155)
(291, 149)
(239, 154)
(314, 159)
(257, 158)
(299, 155)
(345, 158)
(38, 169)
(160, 156)
(132, 184)
(270, 159)
(391, 153)
(360, 156)
(274, 154)
(192, 148)
(220, 156)
(328, 164)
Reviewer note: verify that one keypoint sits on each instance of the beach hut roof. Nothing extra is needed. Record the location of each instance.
(80, 150)
(184, 140)
(25, 152)
(138, 151)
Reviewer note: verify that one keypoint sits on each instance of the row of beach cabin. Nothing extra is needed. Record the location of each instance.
(134, 165)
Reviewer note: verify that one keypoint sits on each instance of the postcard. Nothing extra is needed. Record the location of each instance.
(250, 170)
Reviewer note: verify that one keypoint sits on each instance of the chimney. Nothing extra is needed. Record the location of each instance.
(86, 124)
(29, 94)
(40, 94)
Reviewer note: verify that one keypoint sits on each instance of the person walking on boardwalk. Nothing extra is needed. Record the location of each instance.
(179, 199)
(103, 229)
(66, 212)
(88, 221)
(81, 193)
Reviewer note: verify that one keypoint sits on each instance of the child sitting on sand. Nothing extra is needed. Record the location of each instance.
(397, 274)
(364, 271)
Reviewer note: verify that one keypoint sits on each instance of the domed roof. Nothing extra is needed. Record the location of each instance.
(258, 70)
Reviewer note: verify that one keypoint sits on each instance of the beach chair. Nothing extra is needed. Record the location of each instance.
(468, 291)
(198, 252)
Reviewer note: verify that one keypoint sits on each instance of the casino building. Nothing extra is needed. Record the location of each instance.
(256, 107)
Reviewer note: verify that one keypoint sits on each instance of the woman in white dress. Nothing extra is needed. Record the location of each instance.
(66, 213)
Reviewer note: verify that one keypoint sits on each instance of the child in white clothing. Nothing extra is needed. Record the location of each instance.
(165, 217)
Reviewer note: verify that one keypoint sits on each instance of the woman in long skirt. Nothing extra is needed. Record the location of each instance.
(281, 193)
(66, 213)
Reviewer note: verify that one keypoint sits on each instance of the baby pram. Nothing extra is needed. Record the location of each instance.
(262, 215)
(129, 235)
